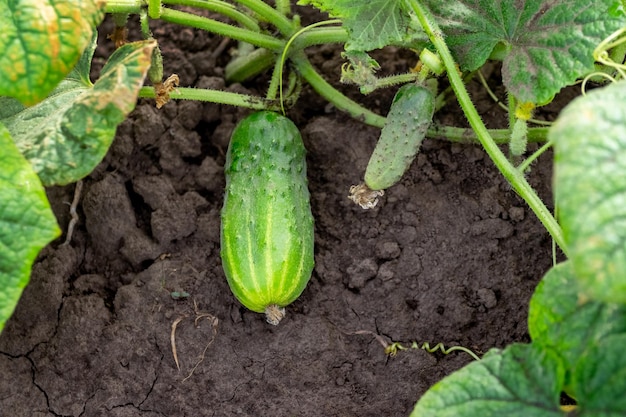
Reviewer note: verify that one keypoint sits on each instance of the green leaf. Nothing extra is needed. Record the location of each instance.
(590, 189)
(41, 42)
(65, 136)
(372, 24)
(558, 318)
(82, 69)
(600, 379)
(549, 43)
(521, 381)
(27, 223)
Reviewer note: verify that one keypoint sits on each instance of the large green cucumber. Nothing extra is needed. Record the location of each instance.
(267, 225)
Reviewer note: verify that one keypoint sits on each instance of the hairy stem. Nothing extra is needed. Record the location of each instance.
(221, 7)
(391, 80)
(271, 15)
(123, 6)
(499, 136)
(321, 36)
(524, 165)
(283, 57)
(283, 7)
(223, 29)
(214, 96)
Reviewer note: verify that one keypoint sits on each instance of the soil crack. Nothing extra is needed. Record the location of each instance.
(43, 391)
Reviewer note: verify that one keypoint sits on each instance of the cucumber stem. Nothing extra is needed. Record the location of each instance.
(269, 14)
(389, 81)
(321, 36)
(223, 29)
(244, 67)
(283, 7)
(214, 96)
(222, 8)
(499, 136)
(123, 6)
(524, 165)
(281, 62)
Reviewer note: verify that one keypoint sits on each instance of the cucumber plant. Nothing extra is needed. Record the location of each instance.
(542, 45)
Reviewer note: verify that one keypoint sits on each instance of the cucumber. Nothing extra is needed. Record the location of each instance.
(266, 220)
(409, 118)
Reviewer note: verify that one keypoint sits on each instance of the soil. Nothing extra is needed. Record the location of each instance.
(451, 255)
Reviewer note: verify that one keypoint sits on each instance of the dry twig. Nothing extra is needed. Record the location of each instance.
(70, 227)
(199, 315)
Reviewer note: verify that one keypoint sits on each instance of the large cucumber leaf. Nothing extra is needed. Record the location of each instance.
(521, 381)
(548, 44)
(41, 42)
(590, 189)
(65, 136)
(600, 379)
(545, 45)
(373, 24)
(559, 319)
(27, 223)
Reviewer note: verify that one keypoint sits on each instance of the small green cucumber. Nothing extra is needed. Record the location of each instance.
(408, 120)
(519, 138)
(266, 220)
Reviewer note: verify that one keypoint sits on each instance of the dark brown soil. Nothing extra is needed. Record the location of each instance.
(450, 255)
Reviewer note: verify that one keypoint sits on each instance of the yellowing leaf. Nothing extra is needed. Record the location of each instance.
(41, 42)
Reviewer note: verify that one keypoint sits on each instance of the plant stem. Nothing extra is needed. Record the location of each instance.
(276, 83)
(281, 62)
(320, 36)
(283, 7)
(513, 175)
(214, 96)
(123, 6)
(247, 66)
(511, 109)
(219, 28)
(221, 7)
(271, 15)
(389, 81)
(524, 165)
(499, 136)
(323, 88)
(145, 24)
(120, 19)
(154, 9)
